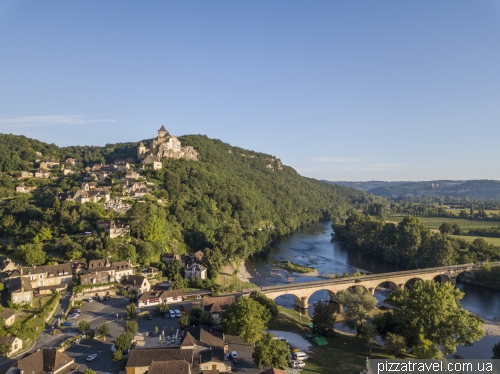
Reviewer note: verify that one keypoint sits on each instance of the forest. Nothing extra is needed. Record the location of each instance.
(230, 204)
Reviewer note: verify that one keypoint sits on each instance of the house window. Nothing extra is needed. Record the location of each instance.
(32, 277)
(40, 276)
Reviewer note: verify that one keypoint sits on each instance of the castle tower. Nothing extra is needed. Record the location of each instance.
(141, 149)
(162, 132)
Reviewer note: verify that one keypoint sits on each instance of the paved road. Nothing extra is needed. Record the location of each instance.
(245, 362)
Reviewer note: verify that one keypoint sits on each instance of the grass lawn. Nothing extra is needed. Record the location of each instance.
(435, 222)
(344, 354)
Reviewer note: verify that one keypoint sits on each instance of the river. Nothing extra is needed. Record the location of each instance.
(312, 246)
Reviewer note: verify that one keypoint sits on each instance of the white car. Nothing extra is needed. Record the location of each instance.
(300, 356)
(90, 299)
(297, 364)
(91, 357)
(234, 354)
(73, 316)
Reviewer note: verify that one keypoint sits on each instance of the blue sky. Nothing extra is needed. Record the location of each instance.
(339, 90)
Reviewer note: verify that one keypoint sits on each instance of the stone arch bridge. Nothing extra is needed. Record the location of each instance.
(304, 290)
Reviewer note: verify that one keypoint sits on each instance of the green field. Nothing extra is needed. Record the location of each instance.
(494, 241)
(344, 354)
(433, 223)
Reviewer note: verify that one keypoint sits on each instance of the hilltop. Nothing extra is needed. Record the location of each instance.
(472, 189)
(228, 201)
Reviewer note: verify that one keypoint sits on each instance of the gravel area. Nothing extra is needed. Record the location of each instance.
(295, 340)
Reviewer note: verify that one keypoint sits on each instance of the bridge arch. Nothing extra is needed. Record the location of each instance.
(442, 278)
(291, 300)
(410, 282)
(465, 274)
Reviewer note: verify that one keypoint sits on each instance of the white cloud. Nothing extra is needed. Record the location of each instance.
(332, 159)
(35, 121)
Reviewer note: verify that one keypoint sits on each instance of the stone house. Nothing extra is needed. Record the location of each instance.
(43, 279)
(97, 277)
(41, 173)
(23, 175)
(141, 360)
(208, 345)
(196, 271)
(14, 342)
(95, 196)
(72, 161)
(165, 145)
(67, 170)
(137, 283)
(122, 165)
(114, 228)
(23, 189)
(217, 305)
(51, 162)
(160, 297)
(152, 161)
(42, 362)
(122, 269)
(89, 186)
(9, 317)
(174, 366)
(167, 258)
(132, 175)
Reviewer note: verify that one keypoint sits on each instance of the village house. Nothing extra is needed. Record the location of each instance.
(43, 279)
(122, 269)
(132, 175)
(72, 161)
(41, 173)
(149, 272)
(9, 317)
(160, 297)
(23, 189)
(209, 347)
(15, 343)
(217, 305)
(96, 277)
(66, 170)
(141, 360)
(167, 258)
(117, 205)
(196, 271)
(114, 229)
(122, 165)
(152, 161)
(136, 283)
(141, 192)
(23, 175)
(95, 196)
(99, 265)
(89, 186)
(174, 366)
(51, 162)
(44, 361)
(89, 177)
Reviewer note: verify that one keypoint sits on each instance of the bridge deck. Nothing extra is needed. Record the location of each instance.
(362, 278)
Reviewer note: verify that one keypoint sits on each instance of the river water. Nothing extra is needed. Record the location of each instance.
(312, 246)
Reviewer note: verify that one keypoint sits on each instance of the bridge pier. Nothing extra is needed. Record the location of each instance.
(453, 280)
(303, 303)
(372, 291)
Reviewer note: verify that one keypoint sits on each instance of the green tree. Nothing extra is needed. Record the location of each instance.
(5, 349)
(131, 311)
(324, 318)
(395, 344)
(43, 235)
(89, 371)
(183, 321)
(425, 349)
(448, 325)
(175, 271)
(103, 330)
(33, 254)
(123, 341)
(117, 355)
(271, 352)
(83, 326)
(246, 318)
(266, 302)
(446, 228)
(213, 261)
(131, 327)
(496, 350)
(359, 304)
(156, 330)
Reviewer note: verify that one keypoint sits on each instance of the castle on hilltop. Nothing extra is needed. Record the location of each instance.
(164, 145)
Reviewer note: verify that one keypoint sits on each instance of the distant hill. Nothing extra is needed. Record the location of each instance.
(473, 189)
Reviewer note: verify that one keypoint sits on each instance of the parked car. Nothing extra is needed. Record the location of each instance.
(91, 357)
(166, 315)
(73, 316)
(106, 298)
(300, 356)
(75, 310)
(234, 355)
(89, 299)
(149, 317)
(177, 313)
(152, 333)
(68, 324)
(172, 313)
(297, 364)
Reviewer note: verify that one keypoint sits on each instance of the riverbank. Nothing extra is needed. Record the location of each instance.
(243, 274)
